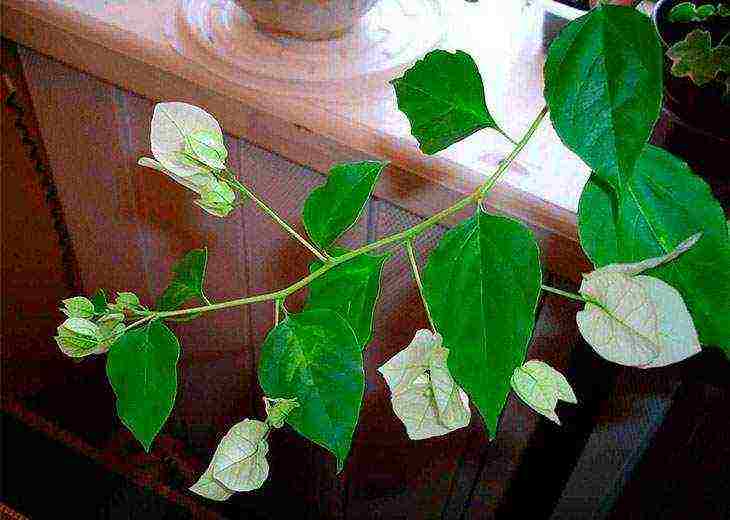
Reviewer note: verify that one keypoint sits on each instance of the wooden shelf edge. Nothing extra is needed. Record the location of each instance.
(125, 60)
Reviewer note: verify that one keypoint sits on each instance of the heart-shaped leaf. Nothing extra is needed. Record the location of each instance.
(142, 369)
(443, 97)
(351, 289)
(482, 284)
(314, 357)
(661, 205)
(603, 85)
(188, 276)
(334, 207)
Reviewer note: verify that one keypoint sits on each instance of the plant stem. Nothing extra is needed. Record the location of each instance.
(239, 186)
(395, 238)
(417, 276)
(565, 294)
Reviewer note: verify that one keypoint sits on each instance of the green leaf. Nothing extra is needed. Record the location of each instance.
(603, 85)
(142, 369)
(482, 284)
(100, 302)
(351, 289)
(188, 276)
(695, 58)
(705, 11)
(723, 10)
(334, 207)
(662, 204)
(315, 358)
(443, 97)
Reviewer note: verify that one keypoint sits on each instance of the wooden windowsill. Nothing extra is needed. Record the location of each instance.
(130, 44)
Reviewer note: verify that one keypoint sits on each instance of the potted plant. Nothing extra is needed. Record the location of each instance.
(307, 19)
(696, 39)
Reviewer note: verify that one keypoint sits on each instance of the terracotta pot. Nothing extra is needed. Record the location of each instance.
(307, 19)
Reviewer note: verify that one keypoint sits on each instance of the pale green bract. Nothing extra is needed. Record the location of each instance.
(78, 337)
(637, 320)
(423, 393)
(124, 301)
(216, 198)
(239, 462)
(78, 307)
(540, 386)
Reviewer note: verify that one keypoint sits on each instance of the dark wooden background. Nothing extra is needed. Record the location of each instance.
(78, 214)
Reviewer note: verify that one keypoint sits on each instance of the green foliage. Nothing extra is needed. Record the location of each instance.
(696, 58)
(314, 357)
(443, 97)
(188, 277)
(100, 302)
(686, 12)
(142, 369)
(351, 289)
(333, 208)
(603, 85)
(658, 208)
(482, 284)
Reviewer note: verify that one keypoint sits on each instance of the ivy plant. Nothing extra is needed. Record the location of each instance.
(656, 236)
(696, 57)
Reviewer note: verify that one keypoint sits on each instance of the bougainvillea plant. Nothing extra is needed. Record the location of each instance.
(657, 238)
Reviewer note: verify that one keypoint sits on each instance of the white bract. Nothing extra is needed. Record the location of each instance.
(637, 320)
(185, 139)
(540, 386)
(239, 462)
(424, 395)
(188, 146)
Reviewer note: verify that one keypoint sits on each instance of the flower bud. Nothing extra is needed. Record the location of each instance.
(78, 307)
(217, 198)
(78, 337)
(124, 301)
(277, 410)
